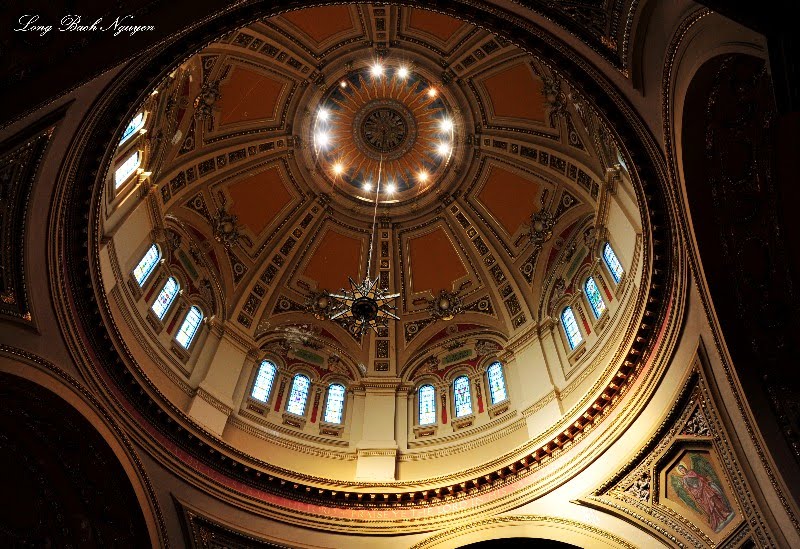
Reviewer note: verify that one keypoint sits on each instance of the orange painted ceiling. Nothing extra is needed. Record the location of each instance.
(248, 95)
(258, 199)
(516, 93)
(509, 198)
(336, 258)
(321, 23)
(434, 262)
(441, 27)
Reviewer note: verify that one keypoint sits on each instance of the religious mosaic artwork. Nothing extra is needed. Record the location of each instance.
(695, 483)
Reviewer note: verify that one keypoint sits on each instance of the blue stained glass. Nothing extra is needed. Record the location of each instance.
(127, 168)
(461, 396)
(147, 264)
(264, 380)
(335, 404)
(594, 297)
(571, 328)
(165, 298)
(298, 396)
(614, 266)
(497, 383)
(189, 327)
(427, 405)
(134, 126)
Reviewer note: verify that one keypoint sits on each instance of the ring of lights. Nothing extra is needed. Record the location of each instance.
(383, 119)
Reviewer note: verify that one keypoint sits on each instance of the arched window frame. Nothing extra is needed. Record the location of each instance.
(289, 395)
(275, 377)
(461, 375)
(490, 393)
(182, 325)
(148, 276)
(418, 407)
(615, 277)
(326, 404)
(596, 315)
(131, 161)
(136, 131)
(571, 346)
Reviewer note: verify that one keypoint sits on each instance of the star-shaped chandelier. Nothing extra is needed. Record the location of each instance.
(366, 304)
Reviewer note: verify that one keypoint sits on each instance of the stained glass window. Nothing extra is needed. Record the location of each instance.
(571, 328)
(461, 396)
(335, 404)
(594, 297)
(264, 380)
(298, 396)
(427, 405)
(127, 168)
(497, 383)
(133, 126)
(165, 298)
(612, 262)
(147, 264)
(189, 327)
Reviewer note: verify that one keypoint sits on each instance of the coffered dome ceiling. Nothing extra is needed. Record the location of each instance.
(498, 186)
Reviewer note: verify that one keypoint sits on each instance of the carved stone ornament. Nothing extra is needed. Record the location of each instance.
(319, 304)
(486, 347)
(541, 228)
(204, 102)
(446, 305)
(555, 99)
(225, 230)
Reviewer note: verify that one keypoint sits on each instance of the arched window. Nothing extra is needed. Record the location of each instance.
(594, 297)
(571, 328)
(165, 298)
(189, 327)
(497, 382)
(462, 399)
(427, 405)
(264, 380)
(147, 264)
(335, 405)
(127, 168)
(136, 124)
(299, 395)
(613, 264)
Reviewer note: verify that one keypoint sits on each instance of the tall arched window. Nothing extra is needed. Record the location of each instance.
(335, 405)
(594, 297)
(462, 399)
(264, 380)
(427, 405)
(127, 168)
(147, 264)
(497, 382)
(571, 328)
(189, 327)
(613, 264)
(299, 395)
(136, 124)
(165, 298)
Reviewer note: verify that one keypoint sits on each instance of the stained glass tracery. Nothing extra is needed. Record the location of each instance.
(189, 327)
(165, 298)
(335, 405)
(136, 124)
(127, 168)
(264, 380)
(497, 383)
(462, 399)
(147, 264)
(594, 297)
(571, 327)
(298, 395)
(427, 405)
(613, 264)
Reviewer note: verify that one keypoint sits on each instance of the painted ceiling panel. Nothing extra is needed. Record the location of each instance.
(248, 95)
(258, 199)
(336, 257)
(434, 262)
(509, 197)
(323, 22)
(516, 93)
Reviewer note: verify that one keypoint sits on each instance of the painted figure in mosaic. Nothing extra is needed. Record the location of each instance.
(699, 487)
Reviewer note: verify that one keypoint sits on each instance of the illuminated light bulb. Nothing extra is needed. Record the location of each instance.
(443, 149)
(432, 92)
(343, 83)
(446, 125)
(377, 69)
(422, 176)
(367, 186)
(338, 168)
(323, 114)
(390, 188)
(322, 139)
(402, 72)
